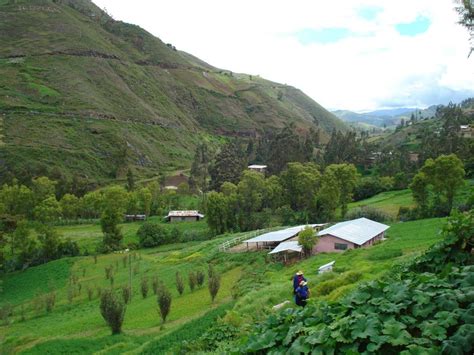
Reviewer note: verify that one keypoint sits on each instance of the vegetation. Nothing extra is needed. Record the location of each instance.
(112, 310)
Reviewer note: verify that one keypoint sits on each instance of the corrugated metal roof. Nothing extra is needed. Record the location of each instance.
(255, 166)
(286, 246)
(184, 214)
(357, 231)
(281, 235)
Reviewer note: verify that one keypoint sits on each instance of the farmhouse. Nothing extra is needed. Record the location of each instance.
(357, 233)
(259, 168)
(184, 216)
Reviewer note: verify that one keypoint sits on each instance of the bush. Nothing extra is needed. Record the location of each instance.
(214, 284)
(144, 287)
(179, 283)
(200, 278)
(368, 212)
(155, 284)
(152, 234)
(385, 254)
(164, 302)
(112, 310)
(50, 301)
(192, 280)
(326, 287)
(126, 294)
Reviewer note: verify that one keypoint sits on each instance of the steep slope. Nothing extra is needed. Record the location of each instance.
(87, 94)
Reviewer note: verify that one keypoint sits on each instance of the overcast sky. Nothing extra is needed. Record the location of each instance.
(352, 54)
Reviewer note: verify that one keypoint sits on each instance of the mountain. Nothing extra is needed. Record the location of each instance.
(85, 94)
(385, 117)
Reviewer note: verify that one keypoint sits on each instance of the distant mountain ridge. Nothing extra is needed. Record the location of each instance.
(385, 117)
(89, 95)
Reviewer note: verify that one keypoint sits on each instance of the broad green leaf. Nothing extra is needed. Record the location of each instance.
(432, 330)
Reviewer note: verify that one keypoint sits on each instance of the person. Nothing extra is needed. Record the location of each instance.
(302, 294)
(297, 280)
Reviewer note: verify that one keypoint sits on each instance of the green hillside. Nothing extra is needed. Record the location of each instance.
(91, 95)
(250, 287)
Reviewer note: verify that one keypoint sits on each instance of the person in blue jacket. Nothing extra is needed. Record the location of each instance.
(302, 294)
(297, 280)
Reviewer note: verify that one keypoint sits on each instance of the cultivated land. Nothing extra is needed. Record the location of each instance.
(260, 284)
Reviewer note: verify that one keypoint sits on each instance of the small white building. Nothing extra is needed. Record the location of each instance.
(259, 168)
(184, 216)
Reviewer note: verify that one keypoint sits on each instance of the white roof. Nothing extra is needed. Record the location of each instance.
(281, 235)
(357, 231)
(286, 246)
(257, 166)
(325, 266)
(184, 214)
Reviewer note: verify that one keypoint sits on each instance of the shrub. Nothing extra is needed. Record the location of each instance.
(307, 240)
(152, 235)
(192, 280)
(326, 287)
(214, 284)
(112, 310)
(200, 278)
(109, 270)
(164, 302)
(6, 311)
(179, 283)
(90, 293)
(368, 212)
(144, 287)
(210, 271)
(49, 301)
(155, 284)
(385, 254)
(126, 294)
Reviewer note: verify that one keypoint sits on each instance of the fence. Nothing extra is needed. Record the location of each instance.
(224, 247)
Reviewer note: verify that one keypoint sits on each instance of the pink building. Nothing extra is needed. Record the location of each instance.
(353, 234)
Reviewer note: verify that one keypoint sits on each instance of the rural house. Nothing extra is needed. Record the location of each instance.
(352, 234)
(184, 216)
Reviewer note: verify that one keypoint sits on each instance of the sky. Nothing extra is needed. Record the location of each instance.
(358, 55)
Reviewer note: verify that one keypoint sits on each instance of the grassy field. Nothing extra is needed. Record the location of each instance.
(77, 327)
(89, 236)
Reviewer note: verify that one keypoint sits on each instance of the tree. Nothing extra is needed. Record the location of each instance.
(214, 284)
(179, 283)
(144, 287)
(48, 210)
(113, 208)
(200, 168)
(274, 193)
(69, 206)
(300, 182)
(446, 174)
(112, 310)
(283, 148)
(419, 189)
(307, 239)
(216, 216)
(164, 302)
(152, 234)
(250, 192)
(466, 18)
(130, 180)
(43, 188)
(228, 165)
(50, 243)
(192, 278)
(17, 199)
(346, 178)
(200, 278)
(328, 196)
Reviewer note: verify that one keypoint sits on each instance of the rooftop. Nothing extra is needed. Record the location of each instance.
(185, 214)
(281, 235)
(287, 246)
(357, 231)
(257, 166)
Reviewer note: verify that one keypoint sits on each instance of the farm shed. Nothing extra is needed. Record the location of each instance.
(184, 216)
(352, 234)
(288, 250)
(259, 168)
(272, 239)
(135, 217)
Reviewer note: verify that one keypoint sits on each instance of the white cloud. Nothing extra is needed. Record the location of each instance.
(376, 67)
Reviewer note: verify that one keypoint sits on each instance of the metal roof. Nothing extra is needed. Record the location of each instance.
(281, 235)
(255, 166)
(357, 231)
(287, 246)
(184, 214)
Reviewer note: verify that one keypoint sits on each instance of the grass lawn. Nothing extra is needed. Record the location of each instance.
(389, 202)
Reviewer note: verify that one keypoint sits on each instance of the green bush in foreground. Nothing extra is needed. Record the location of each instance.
(164, 302)
(112, 310)
(152, 234)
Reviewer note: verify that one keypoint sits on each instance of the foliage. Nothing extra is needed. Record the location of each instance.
(192, 279)
(164, 302)
(152, 234)
(228, 165)
(200, 278)
(113, 208)
(370, 213)
(346, 177)
(214, 283)
(112, 310)
(144, 287)
(179, 283)
(307, 239)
